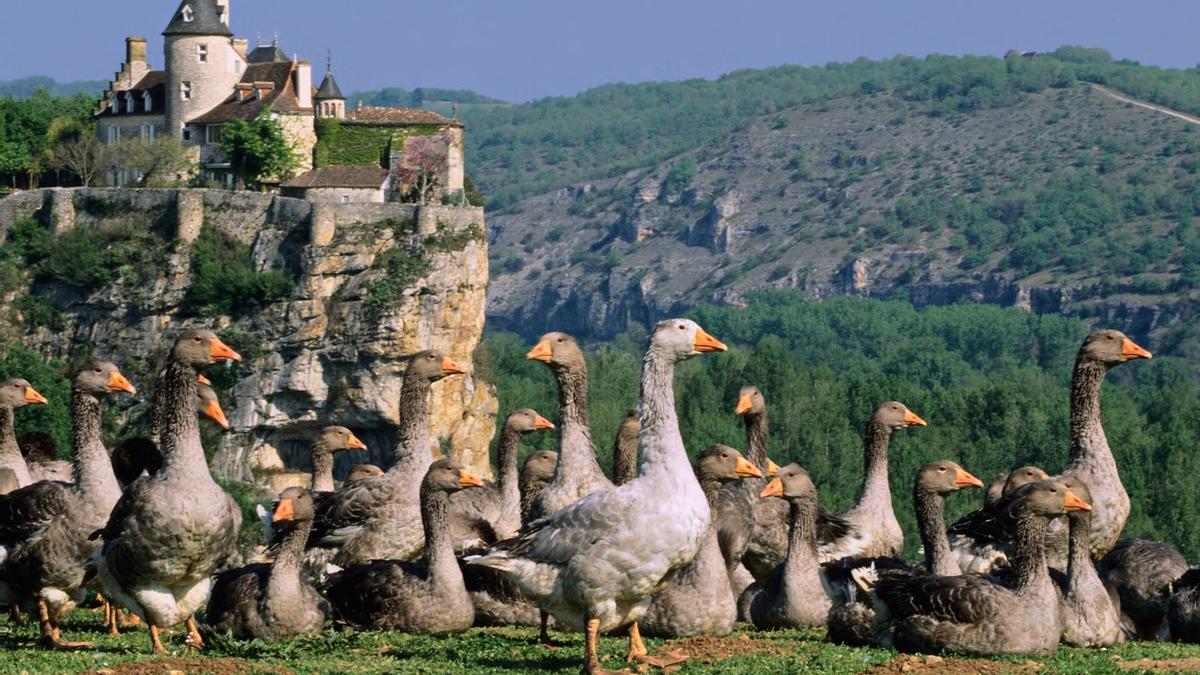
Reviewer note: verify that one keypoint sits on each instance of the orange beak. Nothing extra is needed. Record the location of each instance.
(467, 479)
(285, 511)
(744, 405)
(540, 352)
(1043, 474)
(911, 418)
(355, 444)
(213, 412)
(31, 396)
(747, 470)
(773, 489)
(962, 479)
(1131, 350)
(204, 380)
(451, 368)
(707, 343)
(117, 382)
(1074, 503)
(540, 422)
(220, 351)
(772, 467)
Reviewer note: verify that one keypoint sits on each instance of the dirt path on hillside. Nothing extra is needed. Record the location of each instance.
(1142, 104)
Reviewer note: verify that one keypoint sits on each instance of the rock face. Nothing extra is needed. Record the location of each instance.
(373, 284)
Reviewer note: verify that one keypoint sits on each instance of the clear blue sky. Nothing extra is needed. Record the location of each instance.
(524, 49)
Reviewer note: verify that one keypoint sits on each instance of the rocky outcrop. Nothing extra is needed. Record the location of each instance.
(333, 352)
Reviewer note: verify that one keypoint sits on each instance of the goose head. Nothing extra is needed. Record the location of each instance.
(750, 402)
(1049, 499)
(723, 463)
(895, 415)
(631, 420)
(559, 351)
(200, 348)
(208, 405)
(295, 506)
(361, 471)
(337, 439)
(1023, 476)
(16, 392)
(1080, 490)
(944, 477)
(449, 475)
(526, 420)
(680, 339)
(101, 378)
(431, 365)
(37, 446)
(1111, 347)
(540, 465)
(792, 483)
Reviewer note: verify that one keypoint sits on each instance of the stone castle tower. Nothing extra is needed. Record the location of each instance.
(202, 65)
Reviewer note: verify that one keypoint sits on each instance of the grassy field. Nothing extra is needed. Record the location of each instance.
(507, 650)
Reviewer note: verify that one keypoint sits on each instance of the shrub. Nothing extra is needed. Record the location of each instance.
(223, 279)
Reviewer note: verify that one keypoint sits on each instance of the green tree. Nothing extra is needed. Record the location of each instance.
(14, 159)
(73, 146)
(257, 150)
(155, 163)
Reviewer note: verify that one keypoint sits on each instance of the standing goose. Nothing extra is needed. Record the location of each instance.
(269, 601)
(852, 619)
(1090, 460)
(1089, 617)
(1141, 573)
(376, 518)
(697, 600)
(536, 474)
(973, 614)
(595, 564)
(739, 509)
(15, 393)
(331, 440)
(45, 570)
(421, 597)
(139, 456)
(171, 531)
(624, 450)
(480, 518)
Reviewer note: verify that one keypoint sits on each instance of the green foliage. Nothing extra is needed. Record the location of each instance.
(98, 206)
(679, 177)
(39, 312)
(247, 496)
(258, 150)
(50, 380)
(88, 258)
(421, 97)
(401, 268)
(224, 281)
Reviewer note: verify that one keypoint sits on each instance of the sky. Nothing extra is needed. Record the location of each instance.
(520, 50)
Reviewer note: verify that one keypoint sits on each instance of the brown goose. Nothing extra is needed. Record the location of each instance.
(1005, 483)
(421, 597)
(139, 456)
(45, 568)
(624, 450)
(15, 393)
(171, 531)
(973, 614)
(41, 456)
(1183, 608)
(331, 440)
(536, 474)
(697, 600)
(8, 482)
(480, 518)
(269, 601)
(1089, 616)
(375, 518)
(1141, 572)
(361, 471)
(739, 510)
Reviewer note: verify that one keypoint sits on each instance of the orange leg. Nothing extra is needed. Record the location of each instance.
(637, 648)
(591, 642)
(194, 639)
(156, 641)
(51, 636)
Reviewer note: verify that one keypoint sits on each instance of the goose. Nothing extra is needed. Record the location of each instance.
(376, 518)
(41, 456)
(15, 393)
(994, 489)
(697, 600)
(1183, 607)
(428, 596)
(624, 450)
(480, 518)
(1089, 459)
(169, 532)
(595, 564)
(536, 474)
(44, 569)
(852, 618)
(1086, 609)
(269, 601)
(1005, 483)
(1140, 572)
(8, 481)
(139, 456)
(361, 471)
(975, 615)
(332, 439)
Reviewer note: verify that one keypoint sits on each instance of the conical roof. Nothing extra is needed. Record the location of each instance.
(197, 17)
(329, 88)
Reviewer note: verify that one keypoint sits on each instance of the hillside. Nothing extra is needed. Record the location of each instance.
(1060, 200)
(25, 87)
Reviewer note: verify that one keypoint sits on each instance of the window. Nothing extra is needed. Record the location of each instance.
(113, 104)
(202, 52)
(129, 102)
(214, 133)
(187, 134)
(146, 101)
(185, 91)
(114, 134)
(187, 13)
(345, 199)
(147, 132)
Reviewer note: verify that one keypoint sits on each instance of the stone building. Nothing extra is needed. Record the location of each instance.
(211, 78)
(342, 184)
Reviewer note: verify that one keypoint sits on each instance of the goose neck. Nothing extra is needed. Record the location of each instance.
(507, 478)
(624, 454)
(1079, 558)
(802, 536)
(412, 455)
(322, 467)
(92, 466)
(876, 490)
(1029, 543)
(930, 507)
(283, 588)
(8, 437)
(183, 455)
(1087, 432)
(662, 445)
(576, 456)
(439, 551)
(757, 435)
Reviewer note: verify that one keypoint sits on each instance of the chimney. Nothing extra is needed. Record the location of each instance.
(302, 83)
(135, 66)
(223, 11)
(241, 46)
(135, 50)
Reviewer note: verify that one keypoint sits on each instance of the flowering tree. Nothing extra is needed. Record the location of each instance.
(422, 166)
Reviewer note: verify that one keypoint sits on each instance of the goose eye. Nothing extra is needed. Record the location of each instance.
(1110, 337)
(561, 340)
(682, 327)
(197, 338)
(941, 469)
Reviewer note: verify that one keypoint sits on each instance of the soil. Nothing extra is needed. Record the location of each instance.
(711, 649)
(938, 664)
(191, 667)
(1190, 664)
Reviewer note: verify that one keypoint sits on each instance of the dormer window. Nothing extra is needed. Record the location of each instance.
(202, 52)
(147, 103)
(113, 104)
(129, 102)
(187, 13)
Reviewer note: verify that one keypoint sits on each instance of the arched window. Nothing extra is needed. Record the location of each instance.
(147, 102)
(187, 13)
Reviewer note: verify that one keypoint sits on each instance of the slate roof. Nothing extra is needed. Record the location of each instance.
(329, 88)
(397, 117)
(206, 20)
(281, 99)
(154, 82)
(267, 54)
(340, 176)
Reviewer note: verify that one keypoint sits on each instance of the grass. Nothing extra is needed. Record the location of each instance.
(514, 650)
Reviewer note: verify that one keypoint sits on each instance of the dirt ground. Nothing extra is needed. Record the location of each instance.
(191, 667)
(938, 664)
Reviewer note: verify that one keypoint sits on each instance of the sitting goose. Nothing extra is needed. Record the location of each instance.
(795, 593)
(1183, 607)
(595, 564)
(1089, 617)
(697, 599)
(331, 440)
(480, 518)
(1141, 572)
(171, 531)
(420, 597)
(536, 474)
(362, 471)
(15, 393)
(45, 567)
(269, 601)
(852, 618)
(41, 456)
(624, 450)
(973, 614)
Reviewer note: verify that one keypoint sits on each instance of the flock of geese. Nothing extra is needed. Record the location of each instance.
(666, 548)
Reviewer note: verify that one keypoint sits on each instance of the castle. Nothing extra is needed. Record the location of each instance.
(212, 78)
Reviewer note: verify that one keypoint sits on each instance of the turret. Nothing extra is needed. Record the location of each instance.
(201, 62)
(329, 100)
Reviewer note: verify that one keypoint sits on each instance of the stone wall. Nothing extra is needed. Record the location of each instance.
(325, 356)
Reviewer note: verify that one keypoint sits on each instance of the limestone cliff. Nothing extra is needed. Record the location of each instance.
(332, 352)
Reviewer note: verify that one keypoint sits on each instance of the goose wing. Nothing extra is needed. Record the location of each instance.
(347, 510)
(963, 599)
(25, 512)
(560, 537)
